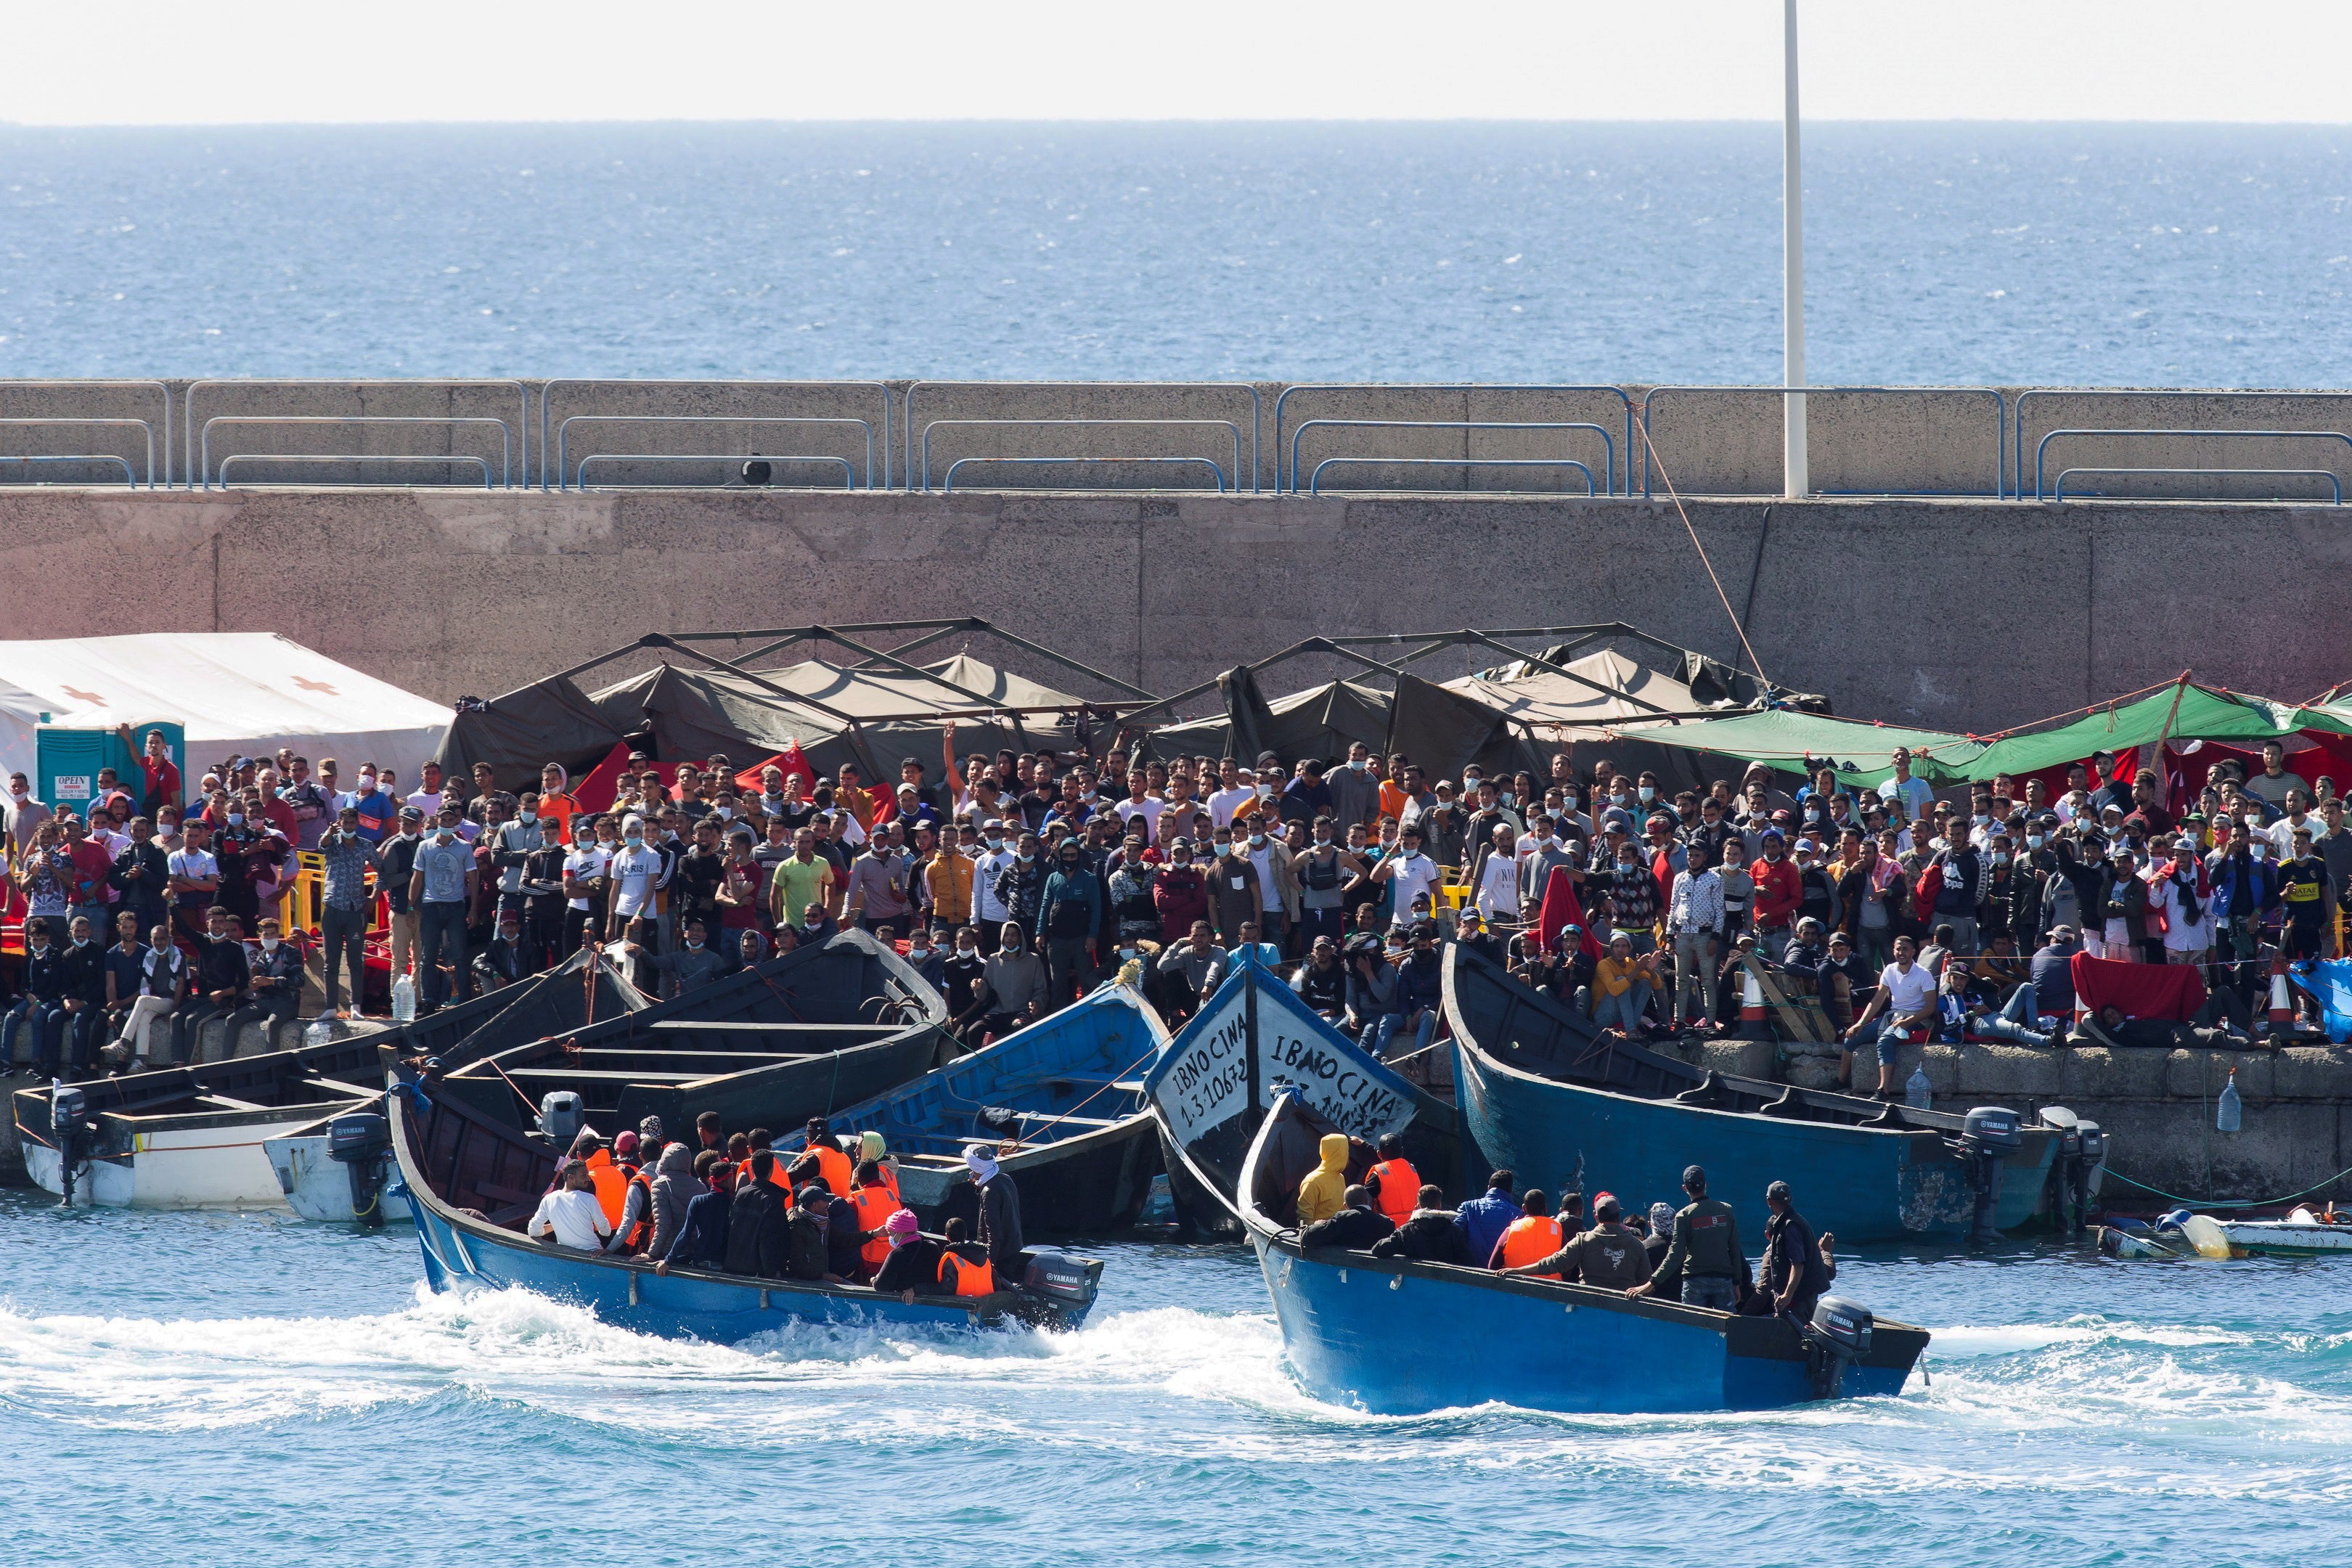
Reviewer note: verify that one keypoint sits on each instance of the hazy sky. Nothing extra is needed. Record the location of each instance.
(234, 61)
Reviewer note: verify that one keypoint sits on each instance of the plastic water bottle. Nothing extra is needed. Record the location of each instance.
(403, 999)
(1918, 1092)
(2228, 1111)
(319, 1032)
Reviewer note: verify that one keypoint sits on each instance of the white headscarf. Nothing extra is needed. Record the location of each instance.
(981, 1163)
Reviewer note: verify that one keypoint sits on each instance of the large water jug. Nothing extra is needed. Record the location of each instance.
(2228, 1111)
(403, 999)
(1918, 1092)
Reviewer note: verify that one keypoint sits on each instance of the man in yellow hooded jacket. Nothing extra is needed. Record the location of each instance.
(1325, 1190)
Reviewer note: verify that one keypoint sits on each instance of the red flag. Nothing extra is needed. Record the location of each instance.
(794, 765)
(1561, 908)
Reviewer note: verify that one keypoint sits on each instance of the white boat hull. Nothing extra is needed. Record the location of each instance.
(190, 1168)
(2286, 1238)
(318, 1188)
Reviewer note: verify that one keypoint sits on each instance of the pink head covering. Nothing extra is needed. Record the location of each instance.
(901, 1227)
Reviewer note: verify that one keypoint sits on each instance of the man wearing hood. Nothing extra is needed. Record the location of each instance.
(1323, 1192)
(674, 1188)
(999, 1211)
(759, 1238)
(1429, 1235)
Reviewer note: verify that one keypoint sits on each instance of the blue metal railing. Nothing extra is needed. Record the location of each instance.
(1290, 481)
(946, 482)
(2043, 445)
(881, 390)
(2000, 418)
(234, 458)
(2058, 491)
(162, 389)
(188, 410)
(908, 480)
(139, 425)
(129, 477)
(580, 478)
(1608, 446)
(563, 432)
(2140, 395)
(202, 478)
(1315, 480)
(924, 470)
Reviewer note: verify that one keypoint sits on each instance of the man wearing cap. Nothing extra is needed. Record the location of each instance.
(1705, 1252)
(1795, 1273)
(1609, 1257)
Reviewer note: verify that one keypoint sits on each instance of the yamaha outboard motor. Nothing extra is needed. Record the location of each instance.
(1838, 1336)
(560, 1116)
(2074, 1172)
(361, 1142)
(1056, 1287)
(1988, 1135)
(70, 1130)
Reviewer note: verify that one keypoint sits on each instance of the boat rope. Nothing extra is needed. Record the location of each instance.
(1016, 1139)
(528, 1104)
(1753, 662)
(2234, 1202)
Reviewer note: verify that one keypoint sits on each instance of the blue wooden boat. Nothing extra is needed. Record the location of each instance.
(1397, 1337)
(1210, 1089)
(472, 1180)
(1063, 1102)
(1563, 1106)
(801, 1034)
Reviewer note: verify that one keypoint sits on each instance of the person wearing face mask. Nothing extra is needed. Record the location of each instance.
(274, 966)
(1179, 893)
(998, 856)
(633, 879)
(2082, 869)
(1354, 793)
(1232, 886)
(38, 1014)
(2245, 891)
(1779, 891)
(440, 885)
(24, 816)
(1069, 913)
(1277, 885)
(2126, 909)
(962, 970)
(696, 962)
(2012, 905)
(1321, 872)
(504, 960)
(397, 857)
(1020, 887)
(927, 954)
(1013, 990)
(223, 983)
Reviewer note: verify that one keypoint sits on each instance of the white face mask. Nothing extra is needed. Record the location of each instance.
(1265, 792)
(269, 945)
(1257, 841)
(1647, 793)
(1357, 763)
(2033, 841)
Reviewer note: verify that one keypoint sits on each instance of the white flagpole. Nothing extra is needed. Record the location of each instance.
(1797, 479)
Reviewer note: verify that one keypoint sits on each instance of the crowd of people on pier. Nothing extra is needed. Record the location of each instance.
(1015, 881)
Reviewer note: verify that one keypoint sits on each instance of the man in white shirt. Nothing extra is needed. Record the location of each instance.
(1413, 873)
(1140, 802)
(1237, 793)
(1272, 862)
(583, 869)
(570, 1214)
(988, 910)
(2298, 818)
(2185, 895)
(427, 800)
(1498, 878)
(634, 875)
(1906, 995)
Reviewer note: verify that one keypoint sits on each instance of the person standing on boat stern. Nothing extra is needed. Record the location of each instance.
(1000, 1210)
(1705, 1252)
(1395, 1185)
(1795, 1274)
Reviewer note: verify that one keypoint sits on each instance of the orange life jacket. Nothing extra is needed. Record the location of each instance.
(1399, 1192)
(875, 1208)
(1530, 1240)
(612, 1187)
(890, 1184)
(643, 1231)
(834, 1166)
(971, 1279)
(776, 1177)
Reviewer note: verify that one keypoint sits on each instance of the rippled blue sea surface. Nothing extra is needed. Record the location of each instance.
(190, 1388)
(2005, 253)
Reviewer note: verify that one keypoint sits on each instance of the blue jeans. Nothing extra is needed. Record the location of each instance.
(46, 1018)
(442, 925)
(1375, 1034)
(2018, 1020)
(1627, 1007)
(1890, 1039)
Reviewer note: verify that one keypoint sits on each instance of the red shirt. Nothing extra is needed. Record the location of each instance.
(163, 782)
(91, 863)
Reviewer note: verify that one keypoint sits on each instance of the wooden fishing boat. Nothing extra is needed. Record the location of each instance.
(1061, 1100)
(1210, 1089)
(2302, 1234)
(1360, 1331)
(799, 1036)
(1564, 1107)
(472, 1176)
(202, 1137)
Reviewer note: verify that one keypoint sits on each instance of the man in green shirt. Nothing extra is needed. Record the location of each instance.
(801, 878)
(1705, 1253)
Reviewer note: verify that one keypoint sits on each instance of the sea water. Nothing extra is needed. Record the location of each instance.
(2056, 254)
(188, 1388)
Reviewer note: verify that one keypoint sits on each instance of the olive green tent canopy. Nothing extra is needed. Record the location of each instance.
(2201, 713)
(1861, 751)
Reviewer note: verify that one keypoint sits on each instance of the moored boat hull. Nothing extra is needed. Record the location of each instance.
(318, 1187)
(202, 1162)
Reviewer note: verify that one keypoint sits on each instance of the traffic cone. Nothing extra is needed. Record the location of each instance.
(1751, 1007)
(2281, 1005)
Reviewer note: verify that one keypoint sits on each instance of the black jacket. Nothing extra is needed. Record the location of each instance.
(756, 1240)
(151, 890)
(41, 977)
(221, 965)
(809, 1253)
(81, 972)
(702, 1239)
(1000, 1221)
(1354, 1228)
(1790, 1253)
(1430, 1236)
(914, 1266)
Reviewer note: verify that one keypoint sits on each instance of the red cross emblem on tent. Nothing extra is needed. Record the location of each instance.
(92, 697)
(307, 684)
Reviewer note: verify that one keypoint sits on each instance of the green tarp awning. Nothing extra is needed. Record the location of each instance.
(1783, 739)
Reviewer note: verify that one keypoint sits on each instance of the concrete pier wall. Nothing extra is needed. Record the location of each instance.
(1963, 614)
(1710, 440)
